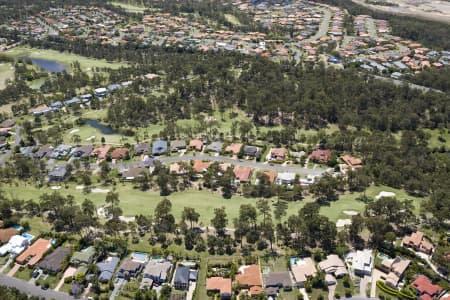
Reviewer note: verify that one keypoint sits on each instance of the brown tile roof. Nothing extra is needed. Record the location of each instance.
(34, 253)
(233, 148)
(272, 175)
(119, 153)
(242, 173)
(223, 285)
(250, 276)
(424, 286)
(197, 144)
(278, 153)
(6, 234)
(320, 155)
(352, 161)
(101, 151)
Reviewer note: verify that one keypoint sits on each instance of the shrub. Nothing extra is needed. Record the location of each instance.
(68, 279)
(348, 293)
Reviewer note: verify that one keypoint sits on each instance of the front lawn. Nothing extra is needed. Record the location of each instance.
(24, 273)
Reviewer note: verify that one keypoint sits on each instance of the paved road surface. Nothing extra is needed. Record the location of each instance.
(411, 85)
(244, 163)
(116, 290)
(323, 27)
(30, 289)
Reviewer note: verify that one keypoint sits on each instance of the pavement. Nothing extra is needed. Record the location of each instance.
(323, 28)
(33, 279)
(31, 289)
(68, 273)
(376, 275)
(116, 290)
(10, 259)
(13, 270)
(365, 281)
(331, 291)
(431, 265)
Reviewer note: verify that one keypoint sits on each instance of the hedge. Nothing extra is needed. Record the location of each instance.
(392, 291)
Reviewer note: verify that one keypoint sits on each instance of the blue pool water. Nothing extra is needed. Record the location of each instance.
(293, 260)
(17, 227)
(28, 236)
(140, 256)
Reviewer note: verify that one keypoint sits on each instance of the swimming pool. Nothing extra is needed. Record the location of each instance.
(140, 256)
(28, 236)
(17, 227)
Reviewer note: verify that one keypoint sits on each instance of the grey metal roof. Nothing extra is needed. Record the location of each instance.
(182, 275)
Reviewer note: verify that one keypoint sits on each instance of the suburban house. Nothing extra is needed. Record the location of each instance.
(302, 269)
(15, 245)
(395, 268)
(233, 148)
(52, 263)
(362, 262)
(7, 234)
(196, 145)
(215, 147)
(34, 253)
(83, 151)
(242, 174)
(107, 268)
(181, 278)
(279, 154)
(425, 289)
(178, 169)
(271, 175)
(57, 174)
(101, 92)
(101, 152)
(285, 178)
(177, 145)
(251, 151)
(351, 163)
(279, 280)
(417, 242)
(250, 278)
(334, 267)
(142, 148)
(43, 151)
(119, 153)
(200, 166)
(83, 257)
(320, 156)
(7, 123)
(129, 269)
(157, 271)
(159, 147)
(133, 173)
(219, 285)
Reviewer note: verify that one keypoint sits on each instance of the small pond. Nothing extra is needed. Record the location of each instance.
(104, 129)
(47, 65)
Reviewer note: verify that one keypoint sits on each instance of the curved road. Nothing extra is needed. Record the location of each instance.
(244, 163)
(33, 290)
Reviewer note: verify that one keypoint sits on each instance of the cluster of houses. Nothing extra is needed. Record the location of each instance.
(89, 22)
(84, 99)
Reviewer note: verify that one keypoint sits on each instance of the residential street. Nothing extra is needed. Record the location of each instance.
(116, 290)
(31, 289)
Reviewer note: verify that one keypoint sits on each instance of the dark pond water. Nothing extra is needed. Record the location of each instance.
(104, 129)
(47, 65)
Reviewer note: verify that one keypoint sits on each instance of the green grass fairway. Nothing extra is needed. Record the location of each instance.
(435, 134)
(134, 202)
(64, 57)
(129, 7)
(6, 72)
(90, 135)
(232, 19)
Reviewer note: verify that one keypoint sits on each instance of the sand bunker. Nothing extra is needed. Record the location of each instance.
(74, 130)
(343, 222)
(97, 190)
(350, 212)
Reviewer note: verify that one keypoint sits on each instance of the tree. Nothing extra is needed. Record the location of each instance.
(88, 208)
(189, 214)
(112, 200)
(220, 220)
(165, 221)
(104, 170)
(264, 209)
(280, 209)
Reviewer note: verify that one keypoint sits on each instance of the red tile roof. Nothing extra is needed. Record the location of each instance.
(219, 284)
(242, 173)
(34, 253)
(101, 151)
(424, 286)
(200, 166)
(233, 148)
(6, 234)
(119, 153)
(250, 276)
(320, 155)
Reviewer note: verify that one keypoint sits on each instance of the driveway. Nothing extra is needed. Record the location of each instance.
(365, 281)
(116, 290)
(68, 273)
(10, 259)
(31, 289)
(331, 291)
(13, 270)
(376, 275)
